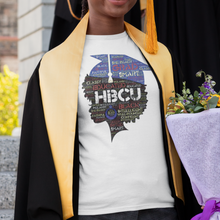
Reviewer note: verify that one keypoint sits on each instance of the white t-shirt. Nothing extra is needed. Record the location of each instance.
(122, 160)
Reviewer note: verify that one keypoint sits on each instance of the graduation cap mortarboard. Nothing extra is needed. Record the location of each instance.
(71, 11)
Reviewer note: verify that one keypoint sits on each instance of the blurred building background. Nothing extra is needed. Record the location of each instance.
(8, 34)
(25, 29)
(35, 19)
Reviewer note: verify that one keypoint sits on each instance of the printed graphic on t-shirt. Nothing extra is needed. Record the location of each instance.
(116, 90)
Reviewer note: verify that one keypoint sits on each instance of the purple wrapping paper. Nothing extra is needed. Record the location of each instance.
(197, 140)
(210, 212)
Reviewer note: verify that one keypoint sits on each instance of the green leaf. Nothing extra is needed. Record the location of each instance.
(212, 103)
(180, 98)
(198, 109)
(190, 106)
(178, 111)
(196, 94)
(202, 89)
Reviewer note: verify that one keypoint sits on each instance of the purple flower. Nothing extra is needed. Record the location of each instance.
(206, 85)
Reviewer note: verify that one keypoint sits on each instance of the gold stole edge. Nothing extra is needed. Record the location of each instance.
(59, 77)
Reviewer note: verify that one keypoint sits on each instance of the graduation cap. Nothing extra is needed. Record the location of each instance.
(151, 45)
(71, 11)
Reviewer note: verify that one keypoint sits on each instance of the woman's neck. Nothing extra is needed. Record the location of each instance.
(105, 26)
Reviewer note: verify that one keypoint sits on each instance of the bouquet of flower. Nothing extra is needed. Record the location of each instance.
(197, 140)
(206, 99)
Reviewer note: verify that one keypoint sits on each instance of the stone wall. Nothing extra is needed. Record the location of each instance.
(8, 174)
(35, 19)
(8, 46)
(8, 17)
(8, 34)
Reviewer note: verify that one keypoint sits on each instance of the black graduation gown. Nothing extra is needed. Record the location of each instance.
(64, 22)
(37, 195)
(191, 29)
